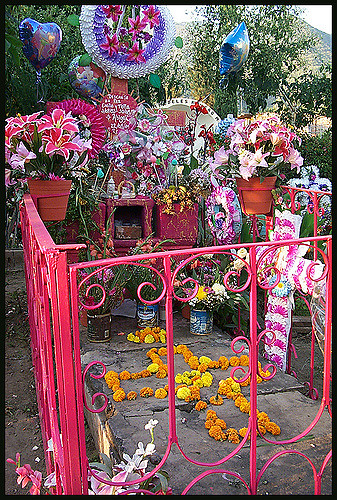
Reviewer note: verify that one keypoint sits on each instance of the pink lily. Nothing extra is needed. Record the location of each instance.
(56, 142)
(151, 16)
(36, 479)
(58, 119)
(111, 45)
(113, 11)
(23, 155)
(136, 54)
(21, 121)
(136, 25)
(24, 473)
(295, 159)
(258, 159)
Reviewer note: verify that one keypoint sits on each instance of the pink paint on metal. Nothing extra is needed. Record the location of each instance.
(52, 287)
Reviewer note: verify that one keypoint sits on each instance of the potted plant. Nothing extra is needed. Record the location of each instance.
(45, 152)
(259, 151)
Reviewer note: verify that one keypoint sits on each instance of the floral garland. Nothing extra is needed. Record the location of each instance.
(151, 33)
(92, 121)
(224, 215)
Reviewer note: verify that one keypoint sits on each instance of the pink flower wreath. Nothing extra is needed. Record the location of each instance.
(94, 117)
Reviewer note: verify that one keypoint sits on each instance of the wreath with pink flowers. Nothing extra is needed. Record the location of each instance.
(224, 215)
(91, 119)
(127, 41)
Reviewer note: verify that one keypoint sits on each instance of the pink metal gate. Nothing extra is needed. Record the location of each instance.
(53, 304)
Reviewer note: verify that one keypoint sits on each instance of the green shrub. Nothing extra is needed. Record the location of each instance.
(318, 151)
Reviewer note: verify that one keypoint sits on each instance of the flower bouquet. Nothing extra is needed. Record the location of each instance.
(259, 146)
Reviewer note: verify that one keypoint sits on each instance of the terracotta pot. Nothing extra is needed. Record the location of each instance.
(50, 198)
(255, 196)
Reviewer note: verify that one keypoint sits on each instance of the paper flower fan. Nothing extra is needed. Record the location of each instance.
(127, 41)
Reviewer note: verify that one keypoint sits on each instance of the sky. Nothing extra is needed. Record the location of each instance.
(318, 16)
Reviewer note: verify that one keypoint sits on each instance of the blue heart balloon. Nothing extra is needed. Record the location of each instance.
(233, 51)
(41, 42)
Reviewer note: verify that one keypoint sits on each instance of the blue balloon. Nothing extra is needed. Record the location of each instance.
(41, 42)
(233, 51)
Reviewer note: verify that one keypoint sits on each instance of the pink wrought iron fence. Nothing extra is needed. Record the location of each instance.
(54, 293)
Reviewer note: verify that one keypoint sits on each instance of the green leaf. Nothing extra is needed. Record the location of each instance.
(73, 20)
(14, 53)
(85, 60)
(178, 42)
(13, 40)
(155, 80)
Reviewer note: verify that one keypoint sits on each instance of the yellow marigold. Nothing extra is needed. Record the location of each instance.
(179, 386)
(234, 361)
(223, 362)
(161, 373)
(207, 379)
(125, 375)
(119, 395)
(160, 393)
(202, 367)
(150, 352)
(175, 349)
(162, 351)
(135, 375)
(162, 338)
(245, 407)
(136, 339)
(145, 373)
(221, 423)
(211, 415)
(232, 435)
(149, 339)
(243, 432)
(193, 362)
(131, 395)
(153, 367)
(111, 374)
(216, 432)
(200, 405)
(146, 392)
(216, 400)
(244, 360)
(131, 337)
(198, 383)
(236, 387)
(205, 359)
(273, 428)
(183, 393)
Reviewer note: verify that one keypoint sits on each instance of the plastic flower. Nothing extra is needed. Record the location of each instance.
(151, 16)
(111, 45)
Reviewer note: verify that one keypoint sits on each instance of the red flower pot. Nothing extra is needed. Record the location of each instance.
(255, 196)
(50, 198)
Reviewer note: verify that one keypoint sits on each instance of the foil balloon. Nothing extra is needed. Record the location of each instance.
(88, 81)
(41, 42)
(233, 52)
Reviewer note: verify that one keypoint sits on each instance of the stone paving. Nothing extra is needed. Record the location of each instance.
(119, 428)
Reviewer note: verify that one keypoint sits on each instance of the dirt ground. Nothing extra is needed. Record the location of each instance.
(22, 426)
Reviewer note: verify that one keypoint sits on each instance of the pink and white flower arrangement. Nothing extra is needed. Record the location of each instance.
(43, 146)
(259, 146)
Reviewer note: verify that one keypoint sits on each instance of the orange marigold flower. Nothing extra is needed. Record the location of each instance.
(145, 373)
(244, 360)
(119, 395)
(131, 395)
(166, 388)
(243, 432)
(181, 348)
(202, 367)
(195, 393)
(209, 423)
(272, 428)
(239, 400)
(146, 392)
(261, 428)
(213, 364)
(111, 374)
(221, 423)
(223, 363)
(216, 432)
(162, 351)
(233, 435)
(113, 382)
(263, 418)
(193, 362)
(160, 393)
(245, 407)
(136, 375)
(201, 405)
(161, 373)
(245, 383)
(211, 415)
(125, 375)
(234, 361)
(151, 351)
(216, 400)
